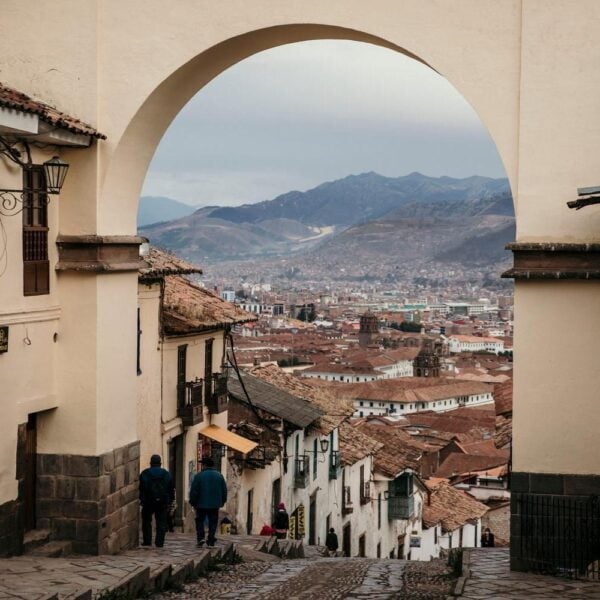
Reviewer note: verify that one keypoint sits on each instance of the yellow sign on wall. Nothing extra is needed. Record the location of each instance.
(301, 529)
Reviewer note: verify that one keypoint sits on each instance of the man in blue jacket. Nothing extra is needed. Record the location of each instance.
(157, 493)
(207, 495)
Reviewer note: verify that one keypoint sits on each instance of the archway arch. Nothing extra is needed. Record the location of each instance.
(128, 164)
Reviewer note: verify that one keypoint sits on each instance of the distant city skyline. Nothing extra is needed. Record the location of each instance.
(293, 117)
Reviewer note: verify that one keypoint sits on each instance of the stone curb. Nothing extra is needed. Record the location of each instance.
(461, 582)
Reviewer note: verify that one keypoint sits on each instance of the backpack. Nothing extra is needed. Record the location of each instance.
(157, 490)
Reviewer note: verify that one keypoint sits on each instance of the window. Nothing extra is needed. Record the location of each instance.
(379, 510)
(361, 403)
(208, 361)
(36, 267)
(371, 404)
(181, 373)
(315, 458)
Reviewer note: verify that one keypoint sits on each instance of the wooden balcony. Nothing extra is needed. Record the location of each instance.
(189, 402)
(365, 492)
(301, 472)
(347, 507)
(335, 465)
(217, 399)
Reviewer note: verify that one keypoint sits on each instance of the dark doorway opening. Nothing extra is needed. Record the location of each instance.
(249, 512)
(347, 540)
(30, 475)
(312, 520)
(175, 450)
(362, 546)
(275, 497)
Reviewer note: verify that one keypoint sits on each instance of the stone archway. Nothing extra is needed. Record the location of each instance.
(131, 156)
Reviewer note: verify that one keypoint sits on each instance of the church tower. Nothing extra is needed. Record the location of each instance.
(369, 329)
(428, 361)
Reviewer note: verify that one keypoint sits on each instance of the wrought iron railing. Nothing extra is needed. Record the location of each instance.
(557, 535)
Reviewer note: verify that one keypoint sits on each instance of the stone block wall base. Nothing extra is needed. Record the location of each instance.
(12, 521)
(555, 523)
(91, 501)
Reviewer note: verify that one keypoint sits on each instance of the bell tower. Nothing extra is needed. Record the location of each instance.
(369, 329)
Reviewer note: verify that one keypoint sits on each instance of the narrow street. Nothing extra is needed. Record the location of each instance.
(263, 577)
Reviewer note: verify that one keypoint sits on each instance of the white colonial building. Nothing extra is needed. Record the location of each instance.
(473, 343)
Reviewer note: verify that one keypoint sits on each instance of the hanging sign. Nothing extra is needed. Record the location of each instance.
(3, 338)
(292, 529)
(301, 529)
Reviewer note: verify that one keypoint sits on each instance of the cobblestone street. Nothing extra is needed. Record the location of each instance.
(491, 577)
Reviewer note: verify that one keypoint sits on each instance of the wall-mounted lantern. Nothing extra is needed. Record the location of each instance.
(12, 201)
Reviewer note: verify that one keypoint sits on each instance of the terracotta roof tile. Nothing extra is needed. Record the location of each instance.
(188, 308)
(450, 507)
(355, 445)
(336, 410)
(458, 464)
(11, 98)
(159, 264)
(398, 452)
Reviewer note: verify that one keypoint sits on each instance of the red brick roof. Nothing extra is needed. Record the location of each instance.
(459, 464)
(11, 98)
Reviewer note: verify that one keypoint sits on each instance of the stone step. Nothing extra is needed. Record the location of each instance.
(54, 549)
(35, 538)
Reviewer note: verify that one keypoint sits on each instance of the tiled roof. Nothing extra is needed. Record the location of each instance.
(398, 452)
(458, 464)
(274, 400)
(503, 398)
(413, 389)
(355, 445)
(159, 264)
(450, 507)
(11, 98)
(188, 308)
(335, 409)
(503, 433)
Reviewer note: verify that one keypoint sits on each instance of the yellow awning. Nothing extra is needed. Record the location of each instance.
(229, 439)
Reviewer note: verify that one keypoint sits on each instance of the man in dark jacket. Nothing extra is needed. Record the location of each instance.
(207, 495)
(331, 542)
(157, 493)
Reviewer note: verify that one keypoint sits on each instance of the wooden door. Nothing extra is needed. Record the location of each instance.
(347, 540)
(30, 472)
(250, 512)
(362, 543)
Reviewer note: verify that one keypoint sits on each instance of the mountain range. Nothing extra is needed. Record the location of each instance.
(368, 215)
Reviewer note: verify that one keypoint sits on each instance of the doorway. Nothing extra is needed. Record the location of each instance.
(275, 497)
(30, 475)
(249, 512)
(312, 520)
(347, 540)
(175, 451)
(362, 546)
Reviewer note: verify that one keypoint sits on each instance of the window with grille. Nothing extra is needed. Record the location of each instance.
(36, 267)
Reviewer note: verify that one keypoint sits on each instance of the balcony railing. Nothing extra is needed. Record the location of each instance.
(347, 507)
(401, 507)
(189, 402)
(217, 399)
(365, 492)
(301, 472)
(335, 464)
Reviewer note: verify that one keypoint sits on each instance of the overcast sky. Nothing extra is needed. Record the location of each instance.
(293, 117)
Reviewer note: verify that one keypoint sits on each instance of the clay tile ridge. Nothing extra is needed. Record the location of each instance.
(159, 264)
(13, 99)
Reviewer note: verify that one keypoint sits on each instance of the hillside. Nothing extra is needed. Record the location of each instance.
(367, 218)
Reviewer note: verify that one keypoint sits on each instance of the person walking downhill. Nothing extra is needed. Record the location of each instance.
(157, 493)
(331, 542)
(207, 495)
(281, 524)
